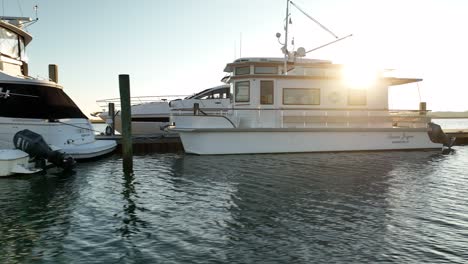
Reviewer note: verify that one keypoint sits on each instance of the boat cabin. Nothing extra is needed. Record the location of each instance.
(312, 93)
(309, 83)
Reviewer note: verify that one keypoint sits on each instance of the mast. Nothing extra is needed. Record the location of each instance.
(285, 51)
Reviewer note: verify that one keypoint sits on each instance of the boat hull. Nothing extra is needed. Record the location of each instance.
(74, 137)
(14, 161)
(245, 141)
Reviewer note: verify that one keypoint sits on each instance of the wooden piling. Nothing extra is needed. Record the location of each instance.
(53, 73)
(111, 114)
(196, 108)
(126, 117)
(422, 108)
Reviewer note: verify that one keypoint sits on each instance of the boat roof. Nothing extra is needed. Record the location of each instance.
(273, 61)
(27, 37)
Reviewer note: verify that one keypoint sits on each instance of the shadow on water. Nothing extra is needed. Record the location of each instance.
(35, 211)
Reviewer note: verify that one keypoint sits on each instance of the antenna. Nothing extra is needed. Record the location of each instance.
(35, 10)
(301, 51)
(29, 23)
(240, 45)
(285, 46)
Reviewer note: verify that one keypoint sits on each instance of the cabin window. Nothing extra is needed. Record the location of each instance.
(357, 97)
(22, 49)
(242, 91)
(266, 92)
(301, 96)
(9, 43)
(243, 70)
(266, 70)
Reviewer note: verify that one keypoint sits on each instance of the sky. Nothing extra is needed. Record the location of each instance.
(179, 47)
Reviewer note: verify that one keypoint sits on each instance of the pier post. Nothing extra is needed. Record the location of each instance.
(422, 108)
(53, 73)
(125, 114)
(111, 114)
(196, 108)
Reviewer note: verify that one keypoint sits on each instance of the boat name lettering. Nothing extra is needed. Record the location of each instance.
(403, 138)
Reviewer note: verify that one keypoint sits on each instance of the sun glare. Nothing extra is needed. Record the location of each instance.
(359, 76)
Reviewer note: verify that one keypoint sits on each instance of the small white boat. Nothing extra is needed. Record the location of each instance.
(150, 114)
(13, 161)
(32, 154)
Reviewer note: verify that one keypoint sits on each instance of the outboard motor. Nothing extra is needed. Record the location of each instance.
(437, 135)
(33, 144)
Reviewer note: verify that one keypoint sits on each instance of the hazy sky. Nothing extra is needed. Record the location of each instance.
(182, 46)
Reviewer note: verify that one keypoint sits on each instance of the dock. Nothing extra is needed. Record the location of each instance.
(143, 144)
(460, 134)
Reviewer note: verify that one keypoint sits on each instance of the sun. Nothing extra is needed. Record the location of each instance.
(357, 76)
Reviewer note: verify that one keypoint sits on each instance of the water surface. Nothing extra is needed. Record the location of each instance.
(358, 207)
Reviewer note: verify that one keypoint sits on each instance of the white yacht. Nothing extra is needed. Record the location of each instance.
(39, 105)
(294, 104)
(150, 114)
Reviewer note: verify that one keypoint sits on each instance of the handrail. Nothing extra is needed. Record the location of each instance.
(320, 117)
(140, 99)
(316, 109)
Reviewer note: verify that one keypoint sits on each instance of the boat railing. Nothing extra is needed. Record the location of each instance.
(103, 103)
(284, 118)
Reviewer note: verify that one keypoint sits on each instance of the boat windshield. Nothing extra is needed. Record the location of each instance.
(11, 44)
(218, 93)
(37, 101)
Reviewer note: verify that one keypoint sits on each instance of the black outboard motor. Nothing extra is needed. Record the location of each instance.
(437, 135)
(33, 144)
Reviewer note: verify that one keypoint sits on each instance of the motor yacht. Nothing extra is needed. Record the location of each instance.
(296, 104)
(151, 114)
(41, 106)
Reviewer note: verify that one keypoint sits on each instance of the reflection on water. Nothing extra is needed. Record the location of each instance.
(28, 228)
(455, 123)
(287, 208)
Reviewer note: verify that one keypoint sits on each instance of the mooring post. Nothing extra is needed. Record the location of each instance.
(53, 73)
(196, 108)
(111, 114)
(422, 108)
(125, 115)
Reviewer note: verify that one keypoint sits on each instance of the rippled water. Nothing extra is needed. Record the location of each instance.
(401, 207)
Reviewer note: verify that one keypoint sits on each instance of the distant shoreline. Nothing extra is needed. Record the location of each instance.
(448, 115)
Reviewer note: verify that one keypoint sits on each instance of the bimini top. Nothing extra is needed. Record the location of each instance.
(273, 61)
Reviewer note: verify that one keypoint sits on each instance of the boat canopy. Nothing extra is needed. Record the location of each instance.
(400, 81)
(13, 41)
